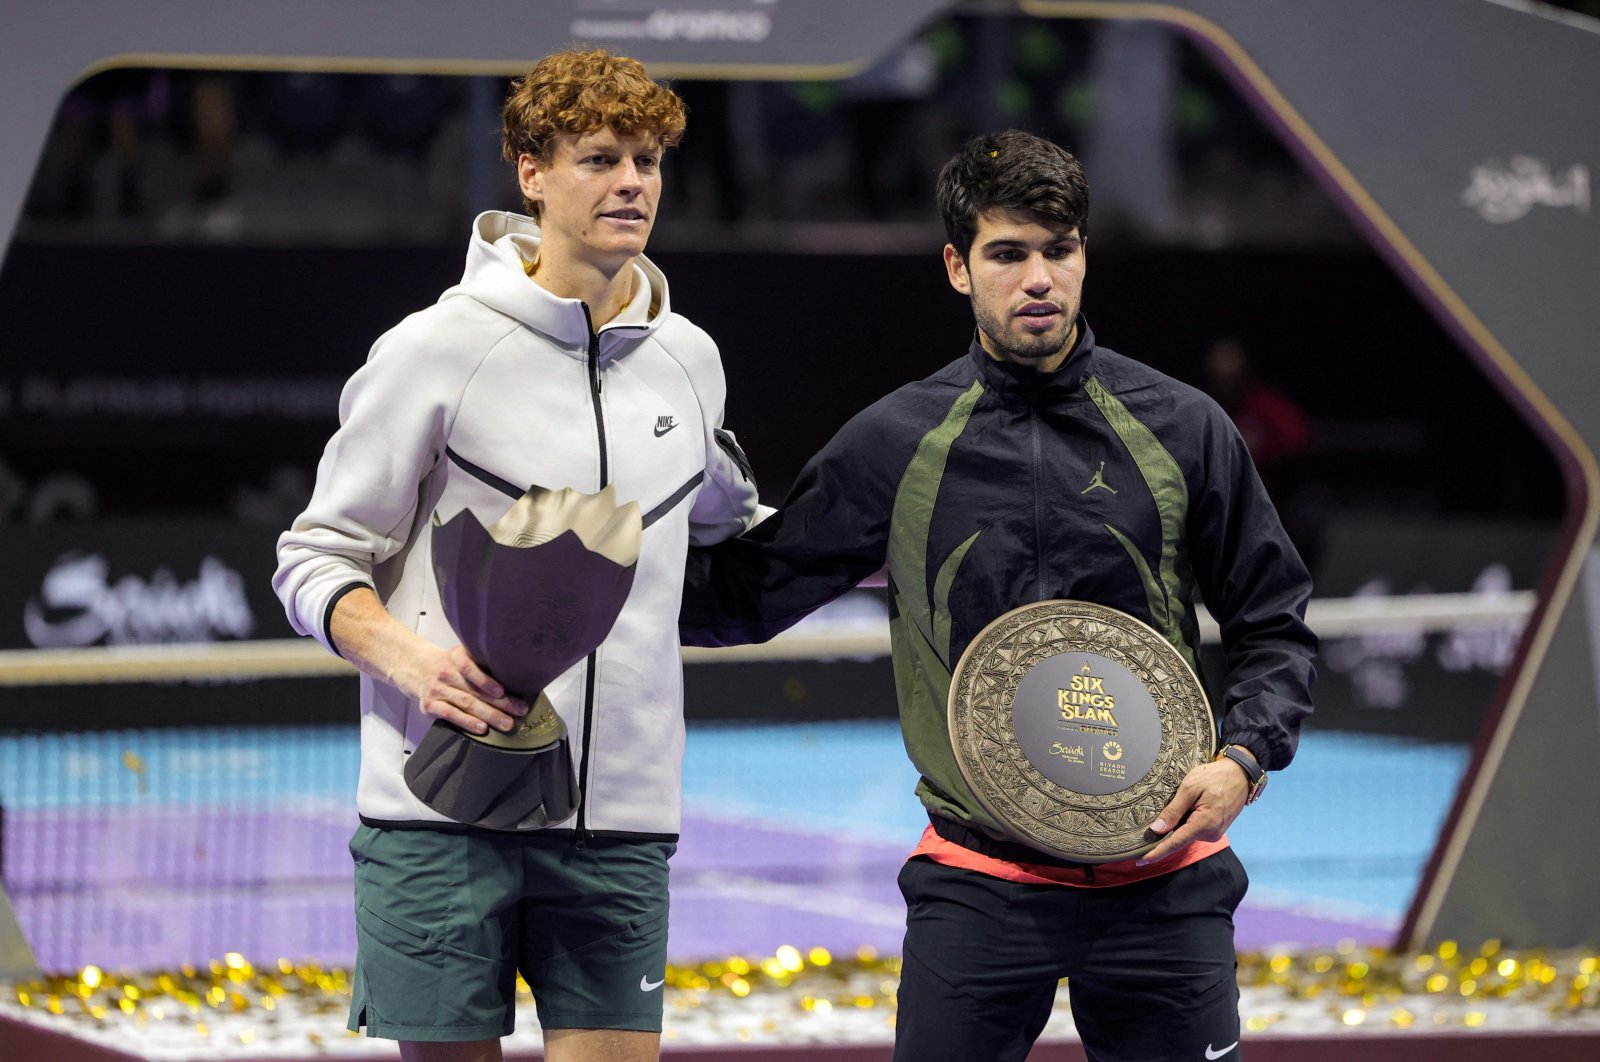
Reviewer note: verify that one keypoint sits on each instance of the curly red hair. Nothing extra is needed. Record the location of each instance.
(579, 90)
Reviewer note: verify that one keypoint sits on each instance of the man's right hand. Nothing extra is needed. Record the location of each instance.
(451, 686)
(447, 683)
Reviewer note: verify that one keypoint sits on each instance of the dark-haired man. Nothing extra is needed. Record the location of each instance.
(1037, 466)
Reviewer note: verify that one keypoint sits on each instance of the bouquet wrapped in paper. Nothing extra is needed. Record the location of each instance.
(529, 596)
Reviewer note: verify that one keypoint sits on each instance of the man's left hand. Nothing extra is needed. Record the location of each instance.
(1211, 796)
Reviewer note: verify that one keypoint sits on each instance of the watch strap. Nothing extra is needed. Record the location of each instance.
(1254, 774)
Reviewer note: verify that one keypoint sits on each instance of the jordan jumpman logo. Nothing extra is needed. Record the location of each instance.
(1099, 481)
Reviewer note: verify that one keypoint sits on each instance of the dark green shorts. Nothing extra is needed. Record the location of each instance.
(444, 921)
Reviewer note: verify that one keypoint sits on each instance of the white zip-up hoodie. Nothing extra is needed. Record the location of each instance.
(497, 387)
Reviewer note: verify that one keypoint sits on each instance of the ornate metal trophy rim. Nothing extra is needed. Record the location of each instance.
(1119, 819)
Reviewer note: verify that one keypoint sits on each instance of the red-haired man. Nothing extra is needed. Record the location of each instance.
(557, 362)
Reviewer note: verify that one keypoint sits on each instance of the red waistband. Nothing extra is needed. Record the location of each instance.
(1100, 876)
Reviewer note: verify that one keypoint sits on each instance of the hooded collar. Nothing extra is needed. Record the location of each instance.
(1010, 380)
(496, 275)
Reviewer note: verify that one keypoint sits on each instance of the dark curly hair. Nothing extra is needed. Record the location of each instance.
(1015, 171)
(578, 91)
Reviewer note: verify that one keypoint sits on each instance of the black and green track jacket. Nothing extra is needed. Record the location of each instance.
(990, 485)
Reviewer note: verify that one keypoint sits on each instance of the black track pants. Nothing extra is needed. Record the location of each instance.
(1150, 966)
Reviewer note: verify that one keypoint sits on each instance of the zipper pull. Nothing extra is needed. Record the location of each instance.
(594, 349)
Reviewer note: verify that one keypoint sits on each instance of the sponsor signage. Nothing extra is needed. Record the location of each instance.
(1503, 192)
(151, 582)
(1435, 685)
(748, 21)
(137, 582)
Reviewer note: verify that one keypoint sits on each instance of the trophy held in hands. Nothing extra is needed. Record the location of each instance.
(1074, 724)
(529, 596)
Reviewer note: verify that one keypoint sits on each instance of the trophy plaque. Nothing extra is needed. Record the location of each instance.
(1074, 724)
(529, 596)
